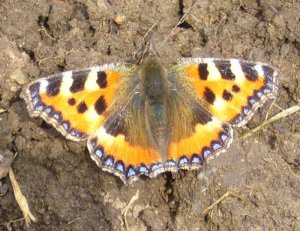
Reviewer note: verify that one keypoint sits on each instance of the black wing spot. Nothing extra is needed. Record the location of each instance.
(101, 79)
(72, 101)
(53, 87)
(227, 95)
(209, 95)
(235, 88)
(249, 71)
(202, 70)
(79, 79)
(100, 105)
(82, 107)
(224, 68)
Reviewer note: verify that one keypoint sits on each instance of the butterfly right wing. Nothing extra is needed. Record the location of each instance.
(75, 102)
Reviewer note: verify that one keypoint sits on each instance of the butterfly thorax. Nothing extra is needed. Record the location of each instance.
(155, 87)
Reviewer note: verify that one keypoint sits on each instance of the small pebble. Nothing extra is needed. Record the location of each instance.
(120, 19)
(18, 76)
(6, 158)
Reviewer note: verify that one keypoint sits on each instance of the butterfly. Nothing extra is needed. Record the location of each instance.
(150, 118)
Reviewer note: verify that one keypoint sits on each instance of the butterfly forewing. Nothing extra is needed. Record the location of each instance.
(74, 101)
(230, 89)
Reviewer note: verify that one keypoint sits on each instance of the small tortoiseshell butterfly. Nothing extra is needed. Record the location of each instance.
(147, 119)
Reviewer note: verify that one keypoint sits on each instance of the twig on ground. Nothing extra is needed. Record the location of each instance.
(126, 209)
(21, 199)
(278, 116)
(224, 196)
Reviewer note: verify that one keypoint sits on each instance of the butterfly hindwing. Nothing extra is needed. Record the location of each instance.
(122, 144)
(74, 102)
(230, 89)
(207, 138)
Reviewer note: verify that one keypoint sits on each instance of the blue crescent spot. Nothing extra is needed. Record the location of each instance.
(156, 166)
(65, 125)
(109, 162)
(48, 110)
(224, 137)
(35, 101)
(34, 94)
(216, 146)
(259, 94)
(99, 153)
(171, 163)
(196, 159)
(120, 166)
(131, 172)
(56, 116)
(252, 101)
(143, 169)
(206, 153)
(78, 134)
(246, 110)
(239, 118)
(267, 90)
(183, 160)
(270, 85)
(39, 108)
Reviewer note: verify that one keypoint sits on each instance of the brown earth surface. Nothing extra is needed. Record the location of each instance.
(65, 189)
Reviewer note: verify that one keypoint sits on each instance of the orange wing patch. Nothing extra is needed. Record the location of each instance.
(114, 154)
(73, 102)
(231, 90)
(207, 141)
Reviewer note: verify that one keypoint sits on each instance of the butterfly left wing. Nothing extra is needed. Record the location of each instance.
(74, 102)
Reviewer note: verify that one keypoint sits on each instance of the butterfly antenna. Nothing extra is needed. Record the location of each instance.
(144, 46)
(179, 22)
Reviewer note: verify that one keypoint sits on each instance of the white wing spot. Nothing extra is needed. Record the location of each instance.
(67, 82)
(219, 103)
(43, 85)
(92, 115)
(213, 124)
(91, 82)
(237, 70)
(213, 72)
(259, 70)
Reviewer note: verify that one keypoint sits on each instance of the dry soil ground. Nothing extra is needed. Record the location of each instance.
(65, 189)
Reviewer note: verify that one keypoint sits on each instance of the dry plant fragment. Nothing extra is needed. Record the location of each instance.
(224, 196)
(278, 116)
(21, 199)
(125, 210)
